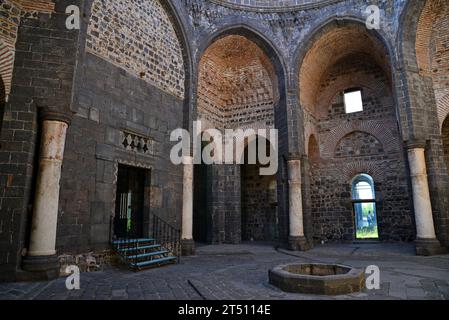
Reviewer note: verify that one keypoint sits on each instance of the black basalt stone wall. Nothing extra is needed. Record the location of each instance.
(112, 103)
(45, 57)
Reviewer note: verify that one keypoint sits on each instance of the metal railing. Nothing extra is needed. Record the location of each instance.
(166, 235)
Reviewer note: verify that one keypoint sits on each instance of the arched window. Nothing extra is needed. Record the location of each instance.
(364, 202)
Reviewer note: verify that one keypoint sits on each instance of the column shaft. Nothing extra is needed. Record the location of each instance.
(421, 196)
(188, 246)
(295, 199)
(45, 215)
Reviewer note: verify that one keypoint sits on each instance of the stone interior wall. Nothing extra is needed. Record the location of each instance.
(432, 51)
(11, 13)
(349, 144)
(45, 56)
(122, 117)
(96, 144)
(259, 206)
(139, 37)
(223, 204)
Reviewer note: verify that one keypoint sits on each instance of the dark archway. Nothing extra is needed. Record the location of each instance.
(445, 136)
(2, 103)
(240, 86)
(313, 150)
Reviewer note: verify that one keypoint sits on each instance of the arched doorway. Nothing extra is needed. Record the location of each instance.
(201, 199)
(238, 89)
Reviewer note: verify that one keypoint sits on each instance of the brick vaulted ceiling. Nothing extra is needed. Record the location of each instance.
(432, 51)
(329, 49)
(237, 84)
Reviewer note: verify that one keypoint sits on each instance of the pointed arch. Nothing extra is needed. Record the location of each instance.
(331, 41)
(272, 62)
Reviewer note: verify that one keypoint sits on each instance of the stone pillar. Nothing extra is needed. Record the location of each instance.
(296, 240)
(187, 243)
(307, 209)
(426, 242)
(41, 257)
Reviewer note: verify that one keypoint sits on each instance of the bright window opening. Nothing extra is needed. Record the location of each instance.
(364, 201)
(353, 101)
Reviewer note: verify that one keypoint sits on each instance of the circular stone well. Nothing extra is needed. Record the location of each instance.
(317, 278)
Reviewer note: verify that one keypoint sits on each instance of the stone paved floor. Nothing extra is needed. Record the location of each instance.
(241, 272)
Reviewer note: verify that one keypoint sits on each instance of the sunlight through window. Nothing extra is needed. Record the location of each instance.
(353, 101)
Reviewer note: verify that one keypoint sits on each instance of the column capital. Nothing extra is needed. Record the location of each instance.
(57, 111)
(415, 144)
(52, 114)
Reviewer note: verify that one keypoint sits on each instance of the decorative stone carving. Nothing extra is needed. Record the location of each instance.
(137, 143)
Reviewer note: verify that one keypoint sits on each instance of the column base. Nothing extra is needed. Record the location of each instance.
(187, 247)
(429, 247)
(298, 244)
(41, 267)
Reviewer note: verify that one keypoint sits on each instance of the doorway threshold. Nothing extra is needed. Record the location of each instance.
(366, 241)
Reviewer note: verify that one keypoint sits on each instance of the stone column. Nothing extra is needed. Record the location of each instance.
(41, 256)
(426, 242)
(297, 240)
(188, 245)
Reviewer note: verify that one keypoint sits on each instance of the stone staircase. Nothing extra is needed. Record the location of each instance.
(144, 253)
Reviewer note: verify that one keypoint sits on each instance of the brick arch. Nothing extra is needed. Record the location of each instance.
(350, 169)
(275, 57)
(432, 11)
(416, 30)
(6, 67)
(432, 53)
(328, 43)
(443, 110)
(376, 128)
(236, 84)
(261, 53)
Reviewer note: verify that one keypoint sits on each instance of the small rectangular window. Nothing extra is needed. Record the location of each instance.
(353, 101)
